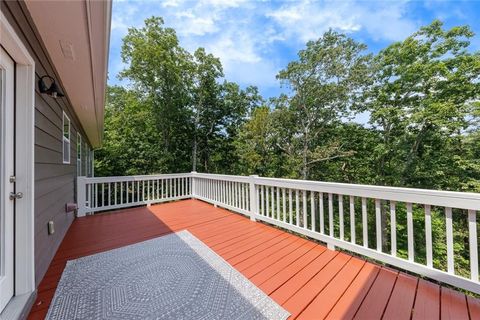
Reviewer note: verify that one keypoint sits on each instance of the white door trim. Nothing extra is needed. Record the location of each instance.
(6, 188)
(24, 148)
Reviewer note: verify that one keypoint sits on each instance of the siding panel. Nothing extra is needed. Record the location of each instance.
(46, 186)
(45, 140)
(46, 155)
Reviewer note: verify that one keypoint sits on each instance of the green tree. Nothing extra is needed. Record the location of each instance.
(423, 98)
(130, 138)
(325, 82)
(161, 71)
(191, 114)
(254, 145)
(207, 107)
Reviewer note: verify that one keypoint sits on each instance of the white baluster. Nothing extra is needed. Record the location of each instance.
(278, 203)
(364, 222)
(297, 208)
(340, 216)
(378, 223)
(263, 200)
(428, 235)
(321, 212)
(472, 233)
(449, 227)
(272, 189)
(312, 209)
(305, 218)
(411, 252)
(267, 201)
(352, 220)
(393, 228)
(290, 206)
(330, 214)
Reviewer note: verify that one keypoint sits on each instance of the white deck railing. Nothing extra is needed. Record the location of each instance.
(110, 193)
(325, 211)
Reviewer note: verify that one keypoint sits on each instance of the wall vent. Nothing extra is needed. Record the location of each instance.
(67, 49)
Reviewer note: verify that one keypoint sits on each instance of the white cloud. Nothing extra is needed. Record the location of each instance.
(388, 22)
(246, 34)
(222, 3)
(227, 29)
(193, 25)
(171, 3)
(306, 20)
(234, 46)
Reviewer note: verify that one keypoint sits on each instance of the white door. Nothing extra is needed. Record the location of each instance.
(6, 172)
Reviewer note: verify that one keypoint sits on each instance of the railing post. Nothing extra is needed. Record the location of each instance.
(253, 197)
(81, 196)
(194, 185)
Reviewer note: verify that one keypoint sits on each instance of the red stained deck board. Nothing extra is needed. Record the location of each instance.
(473, 307)
(453, 305)
(259, 276)
(270, 282)
(281, 264)
(222, 226)
(401, 301)
(236, 237)
(427, 302)
(275, 243)
(328, 297)
(374, 303)
(270, 255)
(302, 298)
(348, 304)
(299, 279)
(246, 244)
(227, 237)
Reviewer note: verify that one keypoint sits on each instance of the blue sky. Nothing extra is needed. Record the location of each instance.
(256, 39)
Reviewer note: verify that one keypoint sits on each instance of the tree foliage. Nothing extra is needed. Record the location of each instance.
(326, 81)
(178, 114)
(421, 96)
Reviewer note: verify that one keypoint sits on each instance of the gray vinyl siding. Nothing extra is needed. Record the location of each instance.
(54, 181)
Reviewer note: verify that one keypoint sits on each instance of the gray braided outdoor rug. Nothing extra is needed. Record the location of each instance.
(171, 277)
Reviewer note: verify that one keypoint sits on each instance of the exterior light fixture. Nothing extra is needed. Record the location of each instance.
(53, 91)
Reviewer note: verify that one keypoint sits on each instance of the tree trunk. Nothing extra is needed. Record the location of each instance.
(194, 154)
(304, 156)
(383, 214)
(413, 154)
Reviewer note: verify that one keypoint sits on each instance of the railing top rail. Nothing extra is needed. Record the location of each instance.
(464, 200)
(135, 178)
(222, 177)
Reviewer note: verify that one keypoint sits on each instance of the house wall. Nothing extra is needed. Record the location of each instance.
(54, 181)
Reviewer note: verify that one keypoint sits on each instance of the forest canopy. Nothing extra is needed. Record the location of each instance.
(421, 95)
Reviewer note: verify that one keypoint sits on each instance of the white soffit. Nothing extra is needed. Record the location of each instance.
(76, 35)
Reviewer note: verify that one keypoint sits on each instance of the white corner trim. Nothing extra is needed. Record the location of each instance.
(12, 43)
(24, 135)
(65, 140)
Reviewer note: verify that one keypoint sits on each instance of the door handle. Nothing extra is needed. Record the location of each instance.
(18, 195)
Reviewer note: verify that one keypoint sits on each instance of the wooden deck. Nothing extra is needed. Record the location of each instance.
(306, 278)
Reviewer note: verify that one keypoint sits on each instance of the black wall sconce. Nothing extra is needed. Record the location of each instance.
(53, 91)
